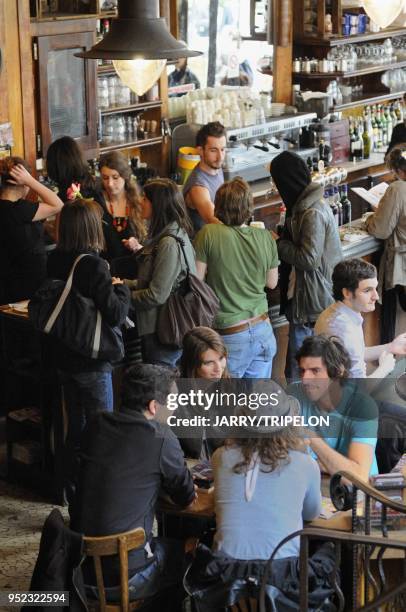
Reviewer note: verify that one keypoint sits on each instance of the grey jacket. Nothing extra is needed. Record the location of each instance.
(161, 269)
(389, 223)
(314, 249)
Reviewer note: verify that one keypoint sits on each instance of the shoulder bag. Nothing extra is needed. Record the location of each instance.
(193, 304)
(62, 311)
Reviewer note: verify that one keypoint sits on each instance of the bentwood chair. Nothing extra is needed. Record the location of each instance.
(373, 586)
(119, 544)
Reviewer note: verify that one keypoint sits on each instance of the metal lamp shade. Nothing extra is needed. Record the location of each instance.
(138, 33)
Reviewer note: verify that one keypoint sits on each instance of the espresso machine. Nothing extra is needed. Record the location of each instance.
(251, 149)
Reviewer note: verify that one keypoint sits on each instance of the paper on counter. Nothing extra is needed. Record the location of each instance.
(374, 195)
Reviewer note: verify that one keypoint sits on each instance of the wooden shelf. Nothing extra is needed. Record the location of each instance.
(351, 73)
(335, 40)
(136, 144)
(141, 106)
(105, 70)
(370, 98)
(64, 16)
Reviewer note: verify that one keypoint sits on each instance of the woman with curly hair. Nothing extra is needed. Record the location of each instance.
(256, 478)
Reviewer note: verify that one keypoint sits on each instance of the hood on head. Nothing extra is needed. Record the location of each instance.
(291, 176)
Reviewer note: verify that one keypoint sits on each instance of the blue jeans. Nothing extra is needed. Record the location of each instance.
(155, 352)
(297, 333)
(250, 352)
(164, 573)
(84, 393)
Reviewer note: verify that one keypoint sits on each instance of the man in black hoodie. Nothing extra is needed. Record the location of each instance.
(309, 248)
(127, 458)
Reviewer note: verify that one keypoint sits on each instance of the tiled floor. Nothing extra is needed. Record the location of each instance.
(22, 514)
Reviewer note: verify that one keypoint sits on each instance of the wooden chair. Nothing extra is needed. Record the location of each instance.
(368, 592)
(119, 544)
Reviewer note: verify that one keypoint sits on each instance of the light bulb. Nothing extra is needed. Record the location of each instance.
(139, 75)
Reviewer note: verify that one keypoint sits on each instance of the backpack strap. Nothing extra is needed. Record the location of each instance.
(63, 296)
(182, 245)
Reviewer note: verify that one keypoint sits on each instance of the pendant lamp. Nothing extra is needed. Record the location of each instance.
(139, 43)
(383, 13)
(138, 33)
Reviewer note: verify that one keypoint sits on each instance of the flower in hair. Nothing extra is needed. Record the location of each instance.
(403, 154)
(73, 192)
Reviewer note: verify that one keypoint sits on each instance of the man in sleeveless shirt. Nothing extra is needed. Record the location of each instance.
(201, 186)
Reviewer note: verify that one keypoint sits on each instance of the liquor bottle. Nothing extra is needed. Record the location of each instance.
(393, 115)
(379, 129)
(309, 164)
(353, 142)
(366, 139)
(337, 202)
(282, 217)
(388, 118)
(399, 111)
(356, 145)
(384, 120)
(333, 205)
(360, 146)
(375, 130)
(346, 204)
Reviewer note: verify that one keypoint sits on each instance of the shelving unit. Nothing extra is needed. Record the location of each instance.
(135, 144)
(152, 109)
(139, 107)
(369, 98)
(349, 74)
(30, 381)
(335, 40)
(318, 45)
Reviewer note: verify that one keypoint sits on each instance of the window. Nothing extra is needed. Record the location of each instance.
(237, 58)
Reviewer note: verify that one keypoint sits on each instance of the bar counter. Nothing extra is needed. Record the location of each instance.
(368, 171)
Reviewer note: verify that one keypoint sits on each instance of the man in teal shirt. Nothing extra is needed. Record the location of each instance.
(348, 443)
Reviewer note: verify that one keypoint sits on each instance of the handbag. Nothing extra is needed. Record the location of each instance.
(192, 305)
(60, 310)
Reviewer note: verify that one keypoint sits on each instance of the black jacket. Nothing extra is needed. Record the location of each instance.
(398, 135)
(93, 279)
(125, 461)
(58, 564)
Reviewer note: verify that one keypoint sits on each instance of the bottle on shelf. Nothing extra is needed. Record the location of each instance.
(393, 115)
(356, 144)
(346, 205)
(337, 202)
(379, 143)
(389, 123)
(398, 111)
(333, 205)
(366, 139)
